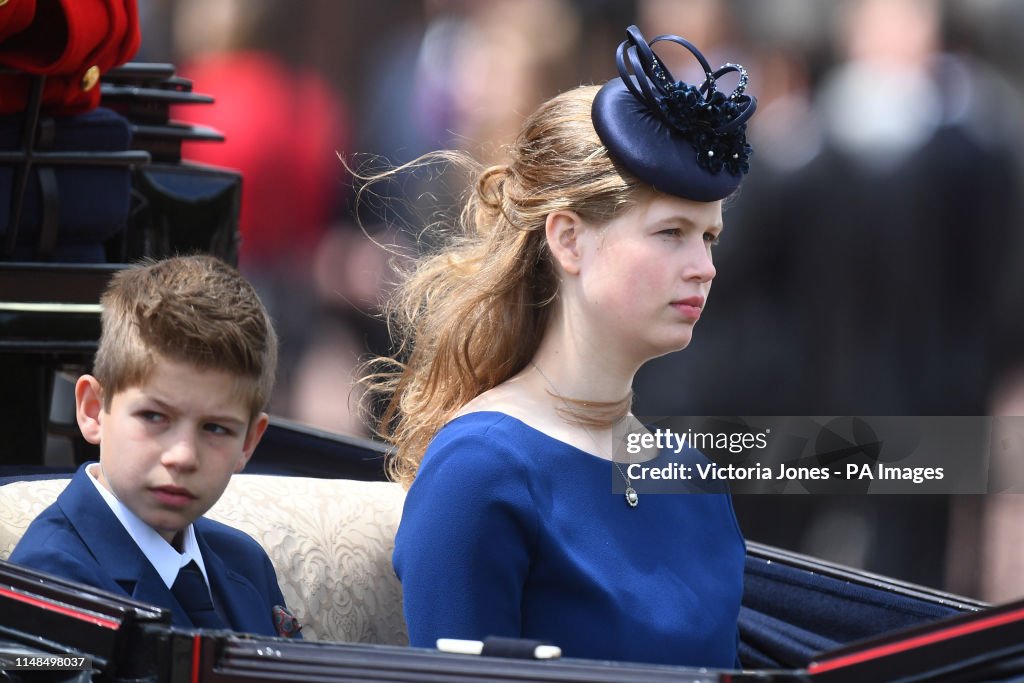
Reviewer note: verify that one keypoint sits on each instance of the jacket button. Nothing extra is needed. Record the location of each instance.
(91, 77)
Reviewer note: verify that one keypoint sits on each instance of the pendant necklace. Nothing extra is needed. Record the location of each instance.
(632, 498)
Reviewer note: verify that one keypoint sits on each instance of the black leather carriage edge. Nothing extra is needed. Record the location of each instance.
(125, 640)
(81, 196)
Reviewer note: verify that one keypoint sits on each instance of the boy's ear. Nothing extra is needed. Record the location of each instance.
(563, 229)
(252, 439)
(88, 406)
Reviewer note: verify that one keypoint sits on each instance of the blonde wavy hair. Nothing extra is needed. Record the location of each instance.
(471, 314)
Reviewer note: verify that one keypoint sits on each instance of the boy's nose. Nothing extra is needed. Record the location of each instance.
(181, 453)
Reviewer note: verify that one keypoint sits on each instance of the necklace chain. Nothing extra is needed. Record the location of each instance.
(632, 498)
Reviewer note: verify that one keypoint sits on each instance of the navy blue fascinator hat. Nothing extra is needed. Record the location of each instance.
(688, 141)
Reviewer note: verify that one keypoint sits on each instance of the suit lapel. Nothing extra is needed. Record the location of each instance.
(113, 548)
(244, 605)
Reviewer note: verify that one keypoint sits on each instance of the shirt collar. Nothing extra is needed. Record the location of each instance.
(161, 554)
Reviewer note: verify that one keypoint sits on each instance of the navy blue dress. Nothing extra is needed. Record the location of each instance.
(509, 532)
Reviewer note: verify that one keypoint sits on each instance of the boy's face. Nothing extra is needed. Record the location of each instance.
(169, 447)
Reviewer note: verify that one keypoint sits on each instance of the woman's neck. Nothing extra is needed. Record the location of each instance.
(575, 368)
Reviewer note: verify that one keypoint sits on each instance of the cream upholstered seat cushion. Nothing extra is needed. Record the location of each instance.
(330, 541)
(20, 503)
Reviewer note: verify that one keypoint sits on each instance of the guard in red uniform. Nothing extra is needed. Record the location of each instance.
(71, 42)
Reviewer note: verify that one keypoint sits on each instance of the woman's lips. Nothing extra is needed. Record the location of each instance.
(690, 307)
(174, 496)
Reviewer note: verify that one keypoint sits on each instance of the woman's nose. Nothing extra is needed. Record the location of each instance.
(699, 264)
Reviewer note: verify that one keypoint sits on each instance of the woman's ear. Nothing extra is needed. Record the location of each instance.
(563, 230)
(88, 406)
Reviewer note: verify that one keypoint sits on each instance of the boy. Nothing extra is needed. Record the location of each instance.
(184, 369)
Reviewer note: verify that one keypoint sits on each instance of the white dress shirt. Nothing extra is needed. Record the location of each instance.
(161, 554)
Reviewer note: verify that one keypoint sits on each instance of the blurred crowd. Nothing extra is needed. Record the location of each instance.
(871, 264)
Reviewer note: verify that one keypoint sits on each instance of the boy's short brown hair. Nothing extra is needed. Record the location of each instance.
(194, 309)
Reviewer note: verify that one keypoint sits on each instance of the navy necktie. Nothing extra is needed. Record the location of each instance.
(191, 591)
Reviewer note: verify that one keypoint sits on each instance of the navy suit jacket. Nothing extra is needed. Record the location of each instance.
(79, 538)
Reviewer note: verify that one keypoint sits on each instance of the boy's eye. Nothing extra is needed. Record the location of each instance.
(151, 416)
(215, 428)
(711, 238)
(671, 232)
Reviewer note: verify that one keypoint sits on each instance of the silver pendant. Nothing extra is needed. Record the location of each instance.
(632, 499)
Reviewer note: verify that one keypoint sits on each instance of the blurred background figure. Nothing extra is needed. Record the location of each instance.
(279, 118)
(893, 287)
(508, 57)
(284, 124)
(864, 282)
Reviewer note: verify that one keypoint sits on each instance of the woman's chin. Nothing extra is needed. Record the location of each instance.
(670, 345)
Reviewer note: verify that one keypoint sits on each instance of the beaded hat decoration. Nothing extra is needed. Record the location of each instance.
(685, 140)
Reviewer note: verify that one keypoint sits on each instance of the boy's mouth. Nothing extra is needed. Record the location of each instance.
(174, 496)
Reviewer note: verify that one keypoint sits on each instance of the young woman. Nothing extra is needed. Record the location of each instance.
(586, 255)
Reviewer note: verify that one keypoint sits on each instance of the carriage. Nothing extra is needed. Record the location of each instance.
(803, 619)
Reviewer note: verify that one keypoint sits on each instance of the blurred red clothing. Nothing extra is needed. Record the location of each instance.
(283, 130)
